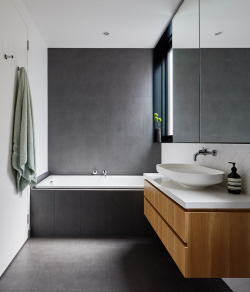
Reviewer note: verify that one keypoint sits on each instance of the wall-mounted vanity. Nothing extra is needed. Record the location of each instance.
(211, 61)
(205, 231)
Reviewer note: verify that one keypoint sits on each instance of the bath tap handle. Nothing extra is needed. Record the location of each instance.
(95, 171)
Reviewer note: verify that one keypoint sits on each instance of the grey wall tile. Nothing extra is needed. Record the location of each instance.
(101, 93)
(225, 98)
(134, 153)
(186, 95)
(66, 154)
(114, 154)
(95, 158)
(67, 213)
(42, 213)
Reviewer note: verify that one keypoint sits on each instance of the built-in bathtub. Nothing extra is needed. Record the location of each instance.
(88, 206)
(92, 182)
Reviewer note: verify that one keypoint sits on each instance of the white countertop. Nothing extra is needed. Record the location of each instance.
(214, 197)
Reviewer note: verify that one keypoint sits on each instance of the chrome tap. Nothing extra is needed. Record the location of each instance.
(105, 172)
(204, 151)
(95, 171)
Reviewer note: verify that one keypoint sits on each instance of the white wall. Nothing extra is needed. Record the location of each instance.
(37, 71)
(15, 26)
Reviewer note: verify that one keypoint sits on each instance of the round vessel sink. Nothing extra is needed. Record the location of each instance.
(191, 175)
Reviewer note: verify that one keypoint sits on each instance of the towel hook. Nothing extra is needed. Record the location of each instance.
(8, 56)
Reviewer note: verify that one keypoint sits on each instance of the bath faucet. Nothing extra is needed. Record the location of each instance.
(105, 172)
(204, 151)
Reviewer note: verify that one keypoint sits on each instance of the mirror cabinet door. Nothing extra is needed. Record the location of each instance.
(225, 71)
(185, 42)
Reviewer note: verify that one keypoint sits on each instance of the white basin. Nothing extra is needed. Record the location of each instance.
(191, 175)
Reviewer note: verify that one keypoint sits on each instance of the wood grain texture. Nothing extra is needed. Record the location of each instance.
(240, 245)
(218, 241)
(177, 250)
(209, 244)
(172, 213)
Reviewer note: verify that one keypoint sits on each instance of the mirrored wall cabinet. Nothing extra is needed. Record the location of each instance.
(210, 73)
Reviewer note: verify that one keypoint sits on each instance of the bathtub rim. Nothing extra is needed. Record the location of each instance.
(88, 188)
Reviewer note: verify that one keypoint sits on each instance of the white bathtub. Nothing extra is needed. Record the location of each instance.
(91, 182)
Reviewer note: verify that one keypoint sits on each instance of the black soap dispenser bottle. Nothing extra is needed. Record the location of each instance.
(234, 181)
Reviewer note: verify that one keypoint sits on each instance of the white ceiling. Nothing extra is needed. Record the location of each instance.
(81, 23)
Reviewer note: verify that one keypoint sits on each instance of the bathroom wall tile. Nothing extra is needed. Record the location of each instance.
(102, 93)
(42, 210)
(114, 116)
(186, 101)
(217, 124)
(114, 154)
(133, 113)
(147, 115)
(66, 154)
(152, 154)
(95, 154)
(134, 162)
(67, 213)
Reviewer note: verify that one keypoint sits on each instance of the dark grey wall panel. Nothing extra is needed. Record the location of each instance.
(42, 213)
(67, 213)
(113, 213)
(186, 95)
(88, 213)
(225, 95)
(100, 111)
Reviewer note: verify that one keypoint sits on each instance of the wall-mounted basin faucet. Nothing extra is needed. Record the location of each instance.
(105, 172)
(204, 151)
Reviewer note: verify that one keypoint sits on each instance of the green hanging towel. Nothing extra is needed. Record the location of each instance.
(23, 156)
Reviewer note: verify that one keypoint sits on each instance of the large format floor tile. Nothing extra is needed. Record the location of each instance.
(99, 265)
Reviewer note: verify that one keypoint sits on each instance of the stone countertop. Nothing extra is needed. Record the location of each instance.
(214, 197)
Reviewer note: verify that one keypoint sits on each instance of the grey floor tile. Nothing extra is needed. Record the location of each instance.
(99, 265)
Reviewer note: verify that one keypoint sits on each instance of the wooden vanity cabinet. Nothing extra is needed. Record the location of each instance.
(203, 243)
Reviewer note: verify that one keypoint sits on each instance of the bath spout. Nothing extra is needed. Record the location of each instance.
(105, 172)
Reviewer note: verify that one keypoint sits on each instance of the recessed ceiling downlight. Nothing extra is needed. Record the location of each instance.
(106, 33)
(218, 33)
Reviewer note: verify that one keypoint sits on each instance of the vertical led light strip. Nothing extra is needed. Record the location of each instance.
(170, 92)
(199, 15)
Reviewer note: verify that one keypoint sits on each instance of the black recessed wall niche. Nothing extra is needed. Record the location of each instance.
(101, 111)
(160, 80)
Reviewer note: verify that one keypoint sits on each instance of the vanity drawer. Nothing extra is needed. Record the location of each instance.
(177, 250)
(171, 212)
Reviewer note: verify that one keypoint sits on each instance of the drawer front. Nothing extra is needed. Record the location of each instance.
(174, 215)
(177, 250)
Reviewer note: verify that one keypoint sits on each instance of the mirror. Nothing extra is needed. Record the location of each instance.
(185, 36)
(215, 106)
(225, 71)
